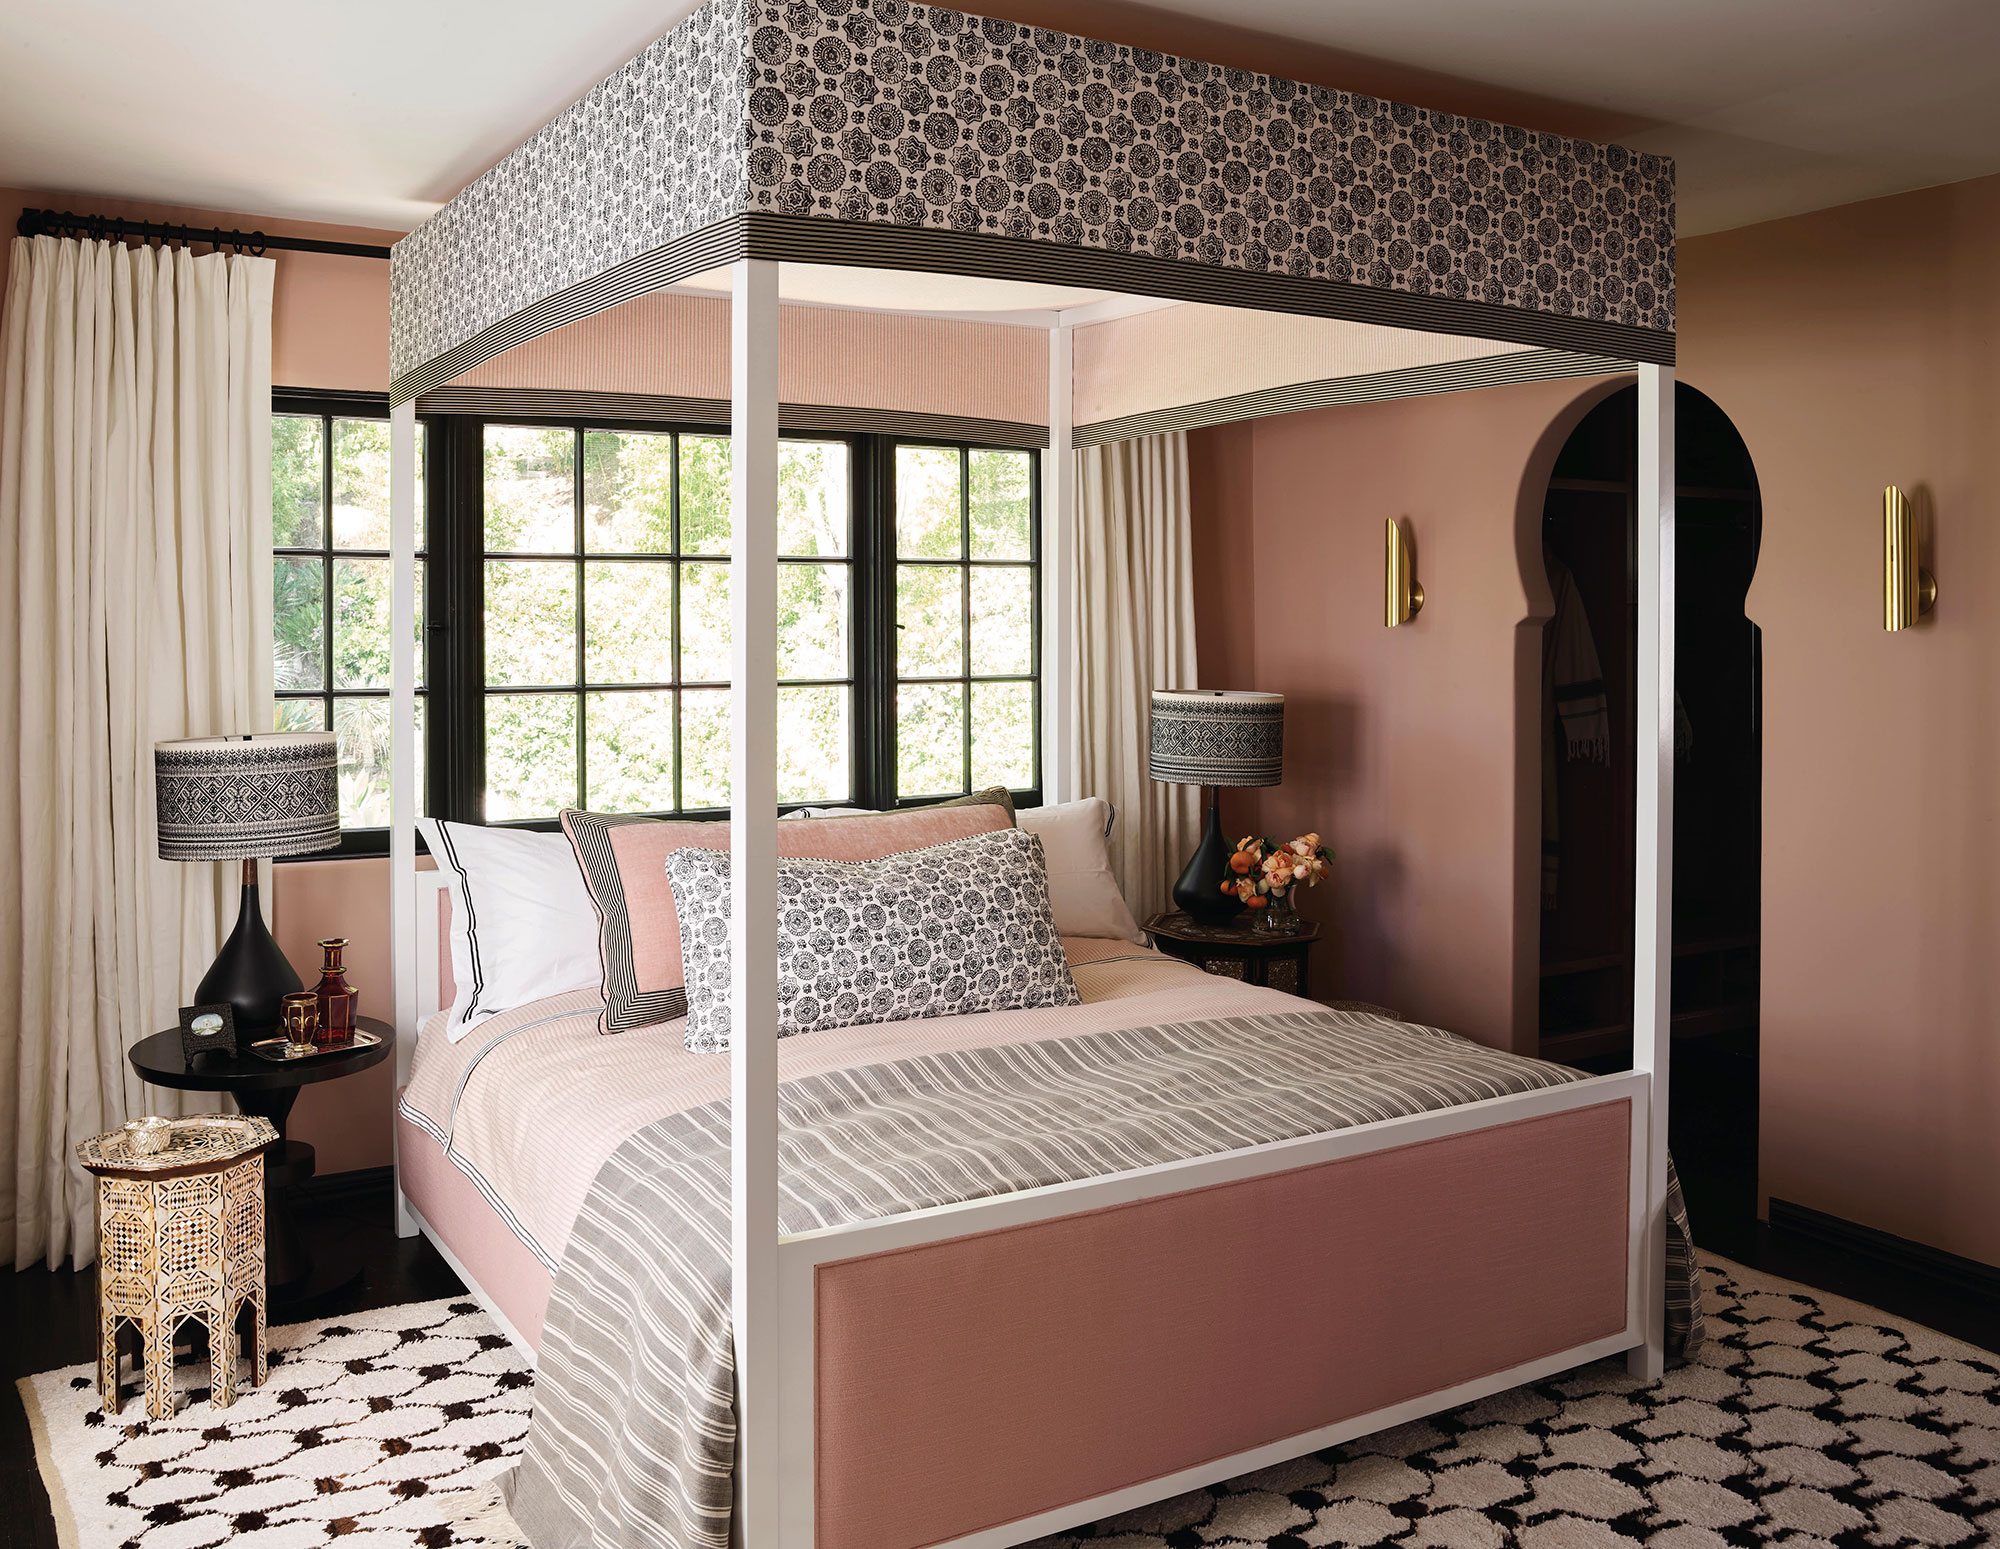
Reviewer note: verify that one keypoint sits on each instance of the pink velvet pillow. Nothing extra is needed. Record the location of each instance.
(624, 863)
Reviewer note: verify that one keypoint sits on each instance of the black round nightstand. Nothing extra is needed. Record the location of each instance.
(269, 1088)
(1237, 951)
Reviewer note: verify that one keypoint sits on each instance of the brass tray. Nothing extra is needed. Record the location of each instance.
(279, 1052)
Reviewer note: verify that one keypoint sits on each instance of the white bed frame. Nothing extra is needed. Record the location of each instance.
(773, 1275)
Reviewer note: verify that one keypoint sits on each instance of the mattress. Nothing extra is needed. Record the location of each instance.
(529, 1105)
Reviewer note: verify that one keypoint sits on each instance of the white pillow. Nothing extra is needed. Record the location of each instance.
(1083, 894)
(522, 923)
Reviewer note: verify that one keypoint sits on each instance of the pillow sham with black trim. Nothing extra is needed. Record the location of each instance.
(954, 929)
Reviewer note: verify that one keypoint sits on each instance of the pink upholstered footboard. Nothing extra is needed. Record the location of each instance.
(984, 1379)
(505, 1271)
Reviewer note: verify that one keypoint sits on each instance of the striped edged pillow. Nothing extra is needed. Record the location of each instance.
(624, 865)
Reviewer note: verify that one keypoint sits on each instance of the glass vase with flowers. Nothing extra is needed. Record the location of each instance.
(1266, 875)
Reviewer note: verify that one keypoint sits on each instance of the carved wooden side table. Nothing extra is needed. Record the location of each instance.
(1236, 951)
(180, 1236)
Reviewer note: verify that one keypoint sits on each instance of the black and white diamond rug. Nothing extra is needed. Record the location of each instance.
(1805, 1420)
(370, 1430)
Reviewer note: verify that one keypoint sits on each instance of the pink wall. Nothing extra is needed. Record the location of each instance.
(329, 316)
(1852, 348)
(678, 345)
(1855, 348)
(1401, 746)
(347, 1121)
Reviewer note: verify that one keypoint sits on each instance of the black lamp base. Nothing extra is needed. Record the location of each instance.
(1198, 894)
(250, 973)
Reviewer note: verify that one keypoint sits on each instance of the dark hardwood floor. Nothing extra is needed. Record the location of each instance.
(47, 1319)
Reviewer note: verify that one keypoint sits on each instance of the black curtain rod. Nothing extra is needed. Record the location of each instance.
(62, 223)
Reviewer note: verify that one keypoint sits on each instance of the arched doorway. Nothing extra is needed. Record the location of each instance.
(1589, 693)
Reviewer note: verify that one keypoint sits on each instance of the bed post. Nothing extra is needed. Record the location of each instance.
(403, 756)
(753, 946)
(1653, 844)
(1060, 772)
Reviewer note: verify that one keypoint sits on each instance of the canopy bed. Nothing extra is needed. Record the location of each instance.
(984, 1364)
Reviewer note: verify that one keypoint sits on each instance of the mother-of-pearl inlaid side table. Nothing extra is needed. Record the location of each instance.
(180, 1237)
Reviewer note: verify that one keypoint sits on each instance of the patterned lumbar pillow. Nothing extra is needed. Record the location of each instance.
(944, 931)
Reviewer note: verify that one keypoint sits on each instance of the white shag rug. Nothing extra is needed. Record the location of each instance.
(1806, 1420)
(369, 1430)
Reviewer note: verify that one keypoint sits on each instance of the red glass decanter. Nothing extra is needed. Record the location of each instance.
(336, 996)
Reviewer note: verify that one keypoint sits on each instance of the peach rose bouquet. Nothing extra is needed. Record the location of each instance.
(1263, 870)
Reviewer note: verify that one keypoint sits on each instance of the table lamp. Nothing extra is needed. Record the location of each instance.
(244, 799)
(1215, 737)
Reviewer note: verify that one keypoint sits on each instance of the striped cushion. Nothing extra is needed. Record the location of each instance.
(624, 864)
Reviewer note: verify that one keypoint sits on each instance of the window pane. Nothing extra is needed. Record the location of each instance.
(704, 624)
(530, 621)
(1003, 620)
(930, 621)
(1003, 735)
(930, 739)
(704, 494)
(361, 727)
(812, 621)
(296, 469)
(299, 715)
(628, 492)
(628, 622)
(1000, 503)
(927, 503)
(360, 484)
(629, 752)
(705, 747)
(812, 497)
(530, 755)
(298, 617)
(812, 744)
(530, 486)
(361, 617)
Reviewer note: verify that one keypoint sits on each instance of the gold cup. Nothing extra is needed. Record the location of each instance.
(301, 1021)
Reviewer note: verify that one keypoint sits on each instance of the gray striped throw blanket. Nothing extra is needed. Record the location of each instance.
(634, 1430)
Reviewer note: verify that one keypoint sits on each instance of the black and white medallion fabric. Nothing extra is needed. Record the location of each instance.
(888, 113)
(948, 930)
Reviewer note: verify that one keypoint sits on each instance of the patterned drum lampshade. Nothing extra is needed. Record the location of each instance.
(239, 798)
(1215, 737)
(1218, 737)
(244, 799)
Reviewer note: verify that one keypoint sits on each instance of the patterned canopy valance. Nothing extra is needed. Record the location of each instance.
(896, 135)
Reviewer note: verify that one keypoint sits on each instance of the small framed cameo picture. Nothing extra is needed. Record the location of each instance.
(208, 1030)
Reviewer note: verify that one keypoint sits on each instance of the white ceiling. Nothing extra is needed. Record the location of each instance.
(942, 295)
(371, 112)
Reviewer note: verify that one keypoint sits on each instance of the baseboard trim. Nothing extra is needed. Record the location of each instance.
(344, 1188)
(1912, 1258)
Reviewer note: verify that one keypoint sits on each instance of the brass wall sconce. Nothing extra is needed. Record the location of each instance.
(1908, 590)
(1403, 596)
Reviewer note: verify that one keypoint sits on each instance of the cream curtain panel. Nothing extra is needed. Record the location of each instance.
(135, 582)
(1134, 630)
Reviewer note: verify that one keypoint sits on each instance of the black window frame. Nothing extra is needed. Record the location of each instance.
(328, 405)
(453, 607)
(884, 450)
